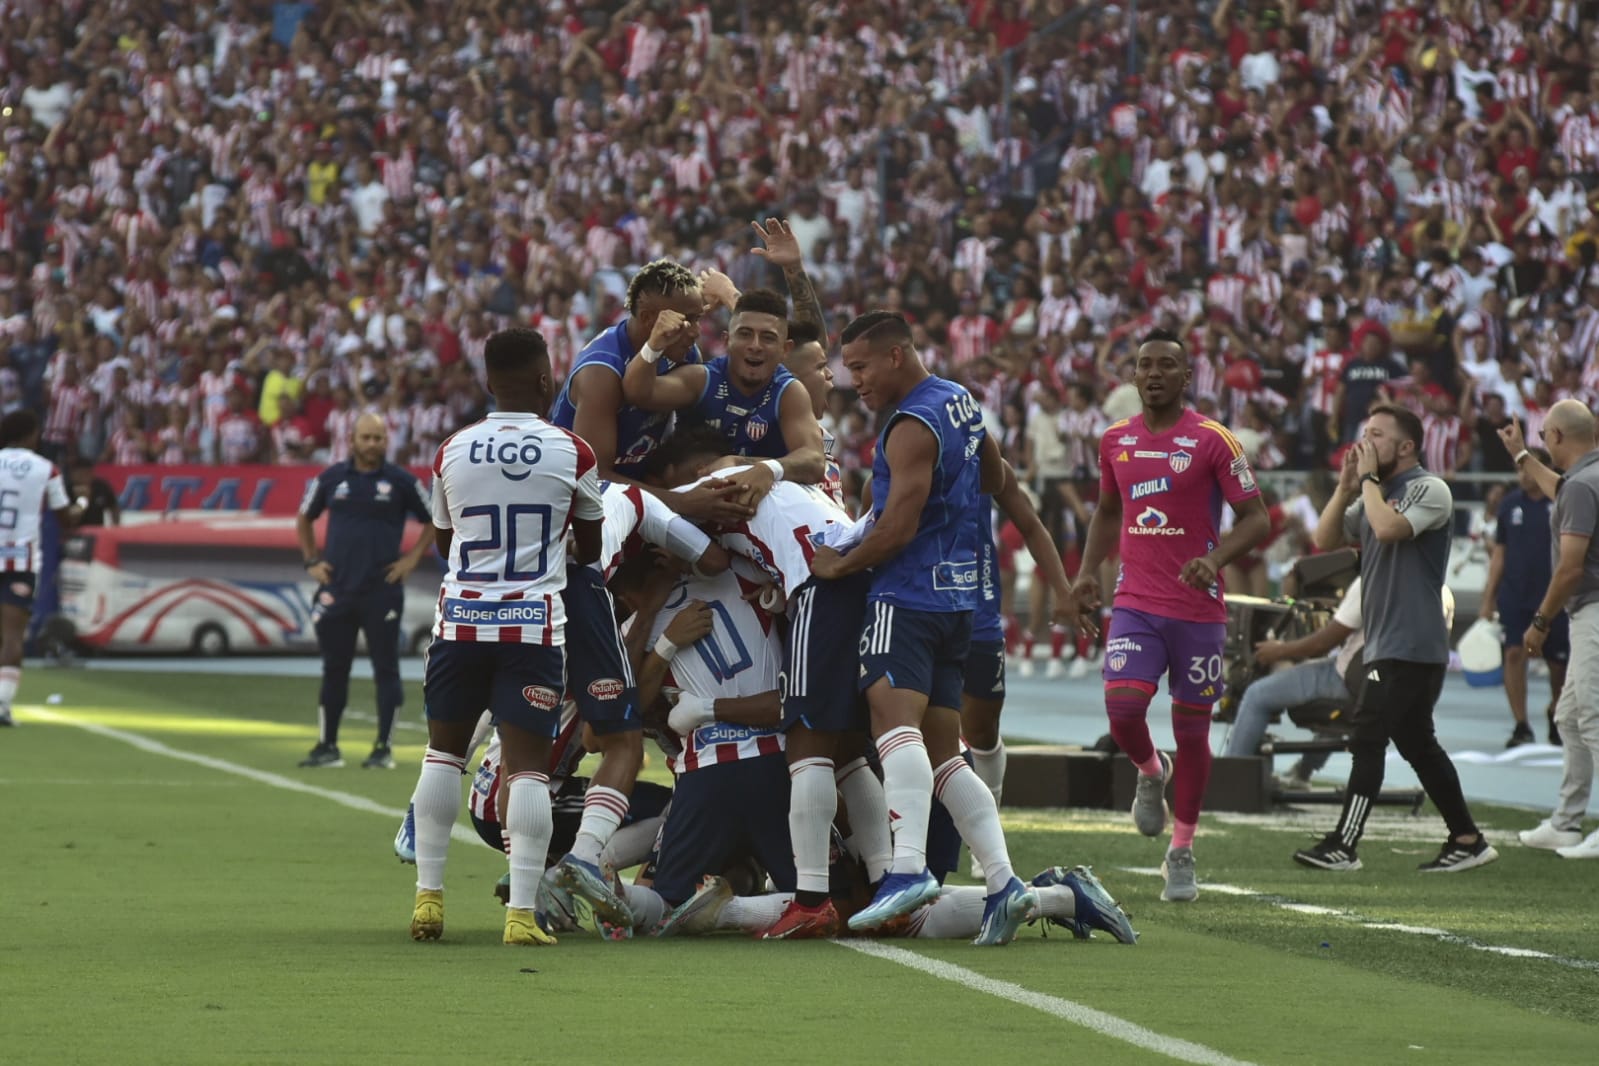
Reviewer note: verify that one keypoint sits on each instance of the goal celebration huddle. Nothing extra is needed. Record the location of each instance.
(662, 553)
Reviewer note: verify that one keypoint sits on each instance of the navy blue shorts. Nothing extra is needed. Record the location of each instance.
(648, 801)
(922, 651)
(823, 656)
(1517, 620)
(985, 670)
(520, 684)
(16, 589)
(722, 811)
(598, 676)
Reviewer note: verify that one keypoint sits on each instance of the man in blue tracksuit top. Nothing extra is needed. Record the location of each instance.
(932, 463)
(360, 576)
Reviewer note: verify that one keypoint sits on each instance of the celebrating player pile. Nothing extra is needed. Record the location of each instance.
(765, 684)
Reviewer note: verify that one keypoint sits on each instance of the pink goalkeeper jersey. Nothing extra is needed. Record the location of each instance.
(1171, 485)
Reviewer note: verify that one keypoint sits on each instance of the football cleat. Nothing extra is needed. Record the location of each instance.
(1004, 912)
(799, 922)
(522, 929)
(427, 917)
(698, 914)
(603, 894)
(5, 717)
(1095, 908)
(554, 903)
(381, 758)
(323, 756)
(405, 839)
(897, 894)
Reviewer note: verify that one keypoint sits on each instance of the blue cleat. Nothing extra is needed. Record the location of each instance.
(897, 894)
(1095, 908)
(1054, 877)
(1004, 912)
(588, 882)
(405, 839)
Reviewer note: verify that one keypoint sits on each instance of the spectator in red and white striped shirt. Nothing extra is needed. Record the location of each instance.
(128, 445)
(972, 334)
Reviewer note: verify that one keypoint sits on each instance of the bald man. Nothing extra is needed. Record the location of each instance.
(1569, 436)
(360, 576)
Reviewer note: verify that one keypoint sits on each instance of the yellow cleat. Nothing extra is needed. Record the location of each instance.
(522, 929)
(427, 919)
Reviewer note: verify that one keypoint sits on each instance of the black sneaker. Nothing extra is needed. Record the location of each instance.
(5, 718)
(1329, 853)
(1522, 734)
(1453, 857)
(1554, 734)
(380, 759)
(323, 755)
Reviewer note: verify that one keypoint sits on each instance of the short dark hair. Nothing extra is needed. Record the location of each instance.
(803, 332)
(687, 443)
(516, 350)
(661, 277)
(1408, 421)
(762, 302)
(17, 427)
(1163, 336)
(883, 325)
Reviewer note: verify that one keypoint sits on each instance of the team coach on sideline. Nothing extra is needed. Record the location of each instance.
(360, 578)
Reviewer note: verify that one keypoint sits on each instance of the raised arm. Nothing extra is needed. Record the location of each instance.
(783, 251)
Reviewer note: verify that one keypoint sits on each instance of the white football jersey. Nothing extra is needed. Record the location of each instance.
(742, 655)
(779, 538)
(28, 484)
(629, 512)
(509, 487)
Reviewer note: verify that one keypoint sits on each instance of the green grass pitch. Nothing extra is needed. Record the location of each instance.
(164, 911)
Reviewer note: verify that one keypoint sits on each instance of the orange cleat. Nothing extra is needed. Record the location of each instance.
(804, 923)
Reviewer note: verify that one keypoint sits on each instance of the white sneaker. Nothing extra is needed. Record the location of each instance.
(1024, 667)
(1055, 670)
(1588, 849)
(1078, 670)
(1546, 836)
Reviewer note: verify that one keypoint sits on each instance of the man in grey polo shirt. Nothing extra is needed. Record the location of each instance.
(1569, 435)
(1401, 517)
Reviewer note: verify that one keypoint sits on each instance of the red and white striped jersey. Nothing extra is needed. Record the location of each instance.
(741, 656)
(69, 404)
(632, 517)
(1226, 292)
(565, 754)
(509, 487)
(28, 484)
(970, 338)
(1440, 442)
(1323, 371)
(778, 538)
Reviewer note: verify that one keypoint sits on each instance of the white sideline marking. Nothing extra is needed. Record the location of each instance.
(85, 782)
(1442, 935)
(264, 777)
(1108, 1025)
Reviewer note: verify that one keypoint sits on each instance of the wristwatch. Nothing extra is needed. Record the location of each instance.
(1373, 478)
(309, 563)
(1540, 623)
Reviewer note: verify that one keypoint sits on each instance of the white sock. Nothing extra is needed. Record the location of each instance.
(630, 845)
(754, 914)
(956, 914)
(908, 791)
(971, 806)
(529, 823)
(990, 768)
(10, 678)
(603, 810)
(870, 836)
(1056, 901)
(437, 801)
(812, 804)
(647, 906)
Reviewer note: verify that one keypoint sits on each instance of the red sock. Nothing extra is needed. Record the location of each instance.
(1128, 711)
(1084, 642)
(1027, 644)
(1191, 725)
(1057, 641)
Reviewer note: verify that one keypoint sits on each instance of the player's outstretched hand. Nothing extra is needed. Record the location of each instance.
(782, 247)
(670, 327)
(827, 564)
(715, 501)
(718, 290)
(1511, 434)
(690, 624)
(755, 484)
(1199, 573)
(1084, 604)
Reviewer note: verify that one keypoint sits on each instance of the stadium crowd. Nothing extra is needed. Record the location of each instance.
(226, 228)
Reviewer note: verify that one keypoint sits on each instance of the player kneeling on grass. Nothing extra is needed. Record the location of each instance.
(504, 493)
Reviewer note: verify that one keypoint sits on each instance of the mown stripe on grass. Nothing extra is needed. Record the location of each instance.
(264, 777)
(1097, 1021)
(1441, 935)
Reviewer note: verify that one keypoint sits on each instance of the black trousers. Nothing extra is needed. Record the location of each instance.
(1396, 703)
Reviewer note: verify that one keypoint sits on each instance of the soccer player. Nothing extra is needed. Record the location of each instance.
(28, 484)
(1163, 474)
(927, 479)
(983, 680)
(747, 394)
(807, 361)
(823, 723)
(506, 491)
(360, 576)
